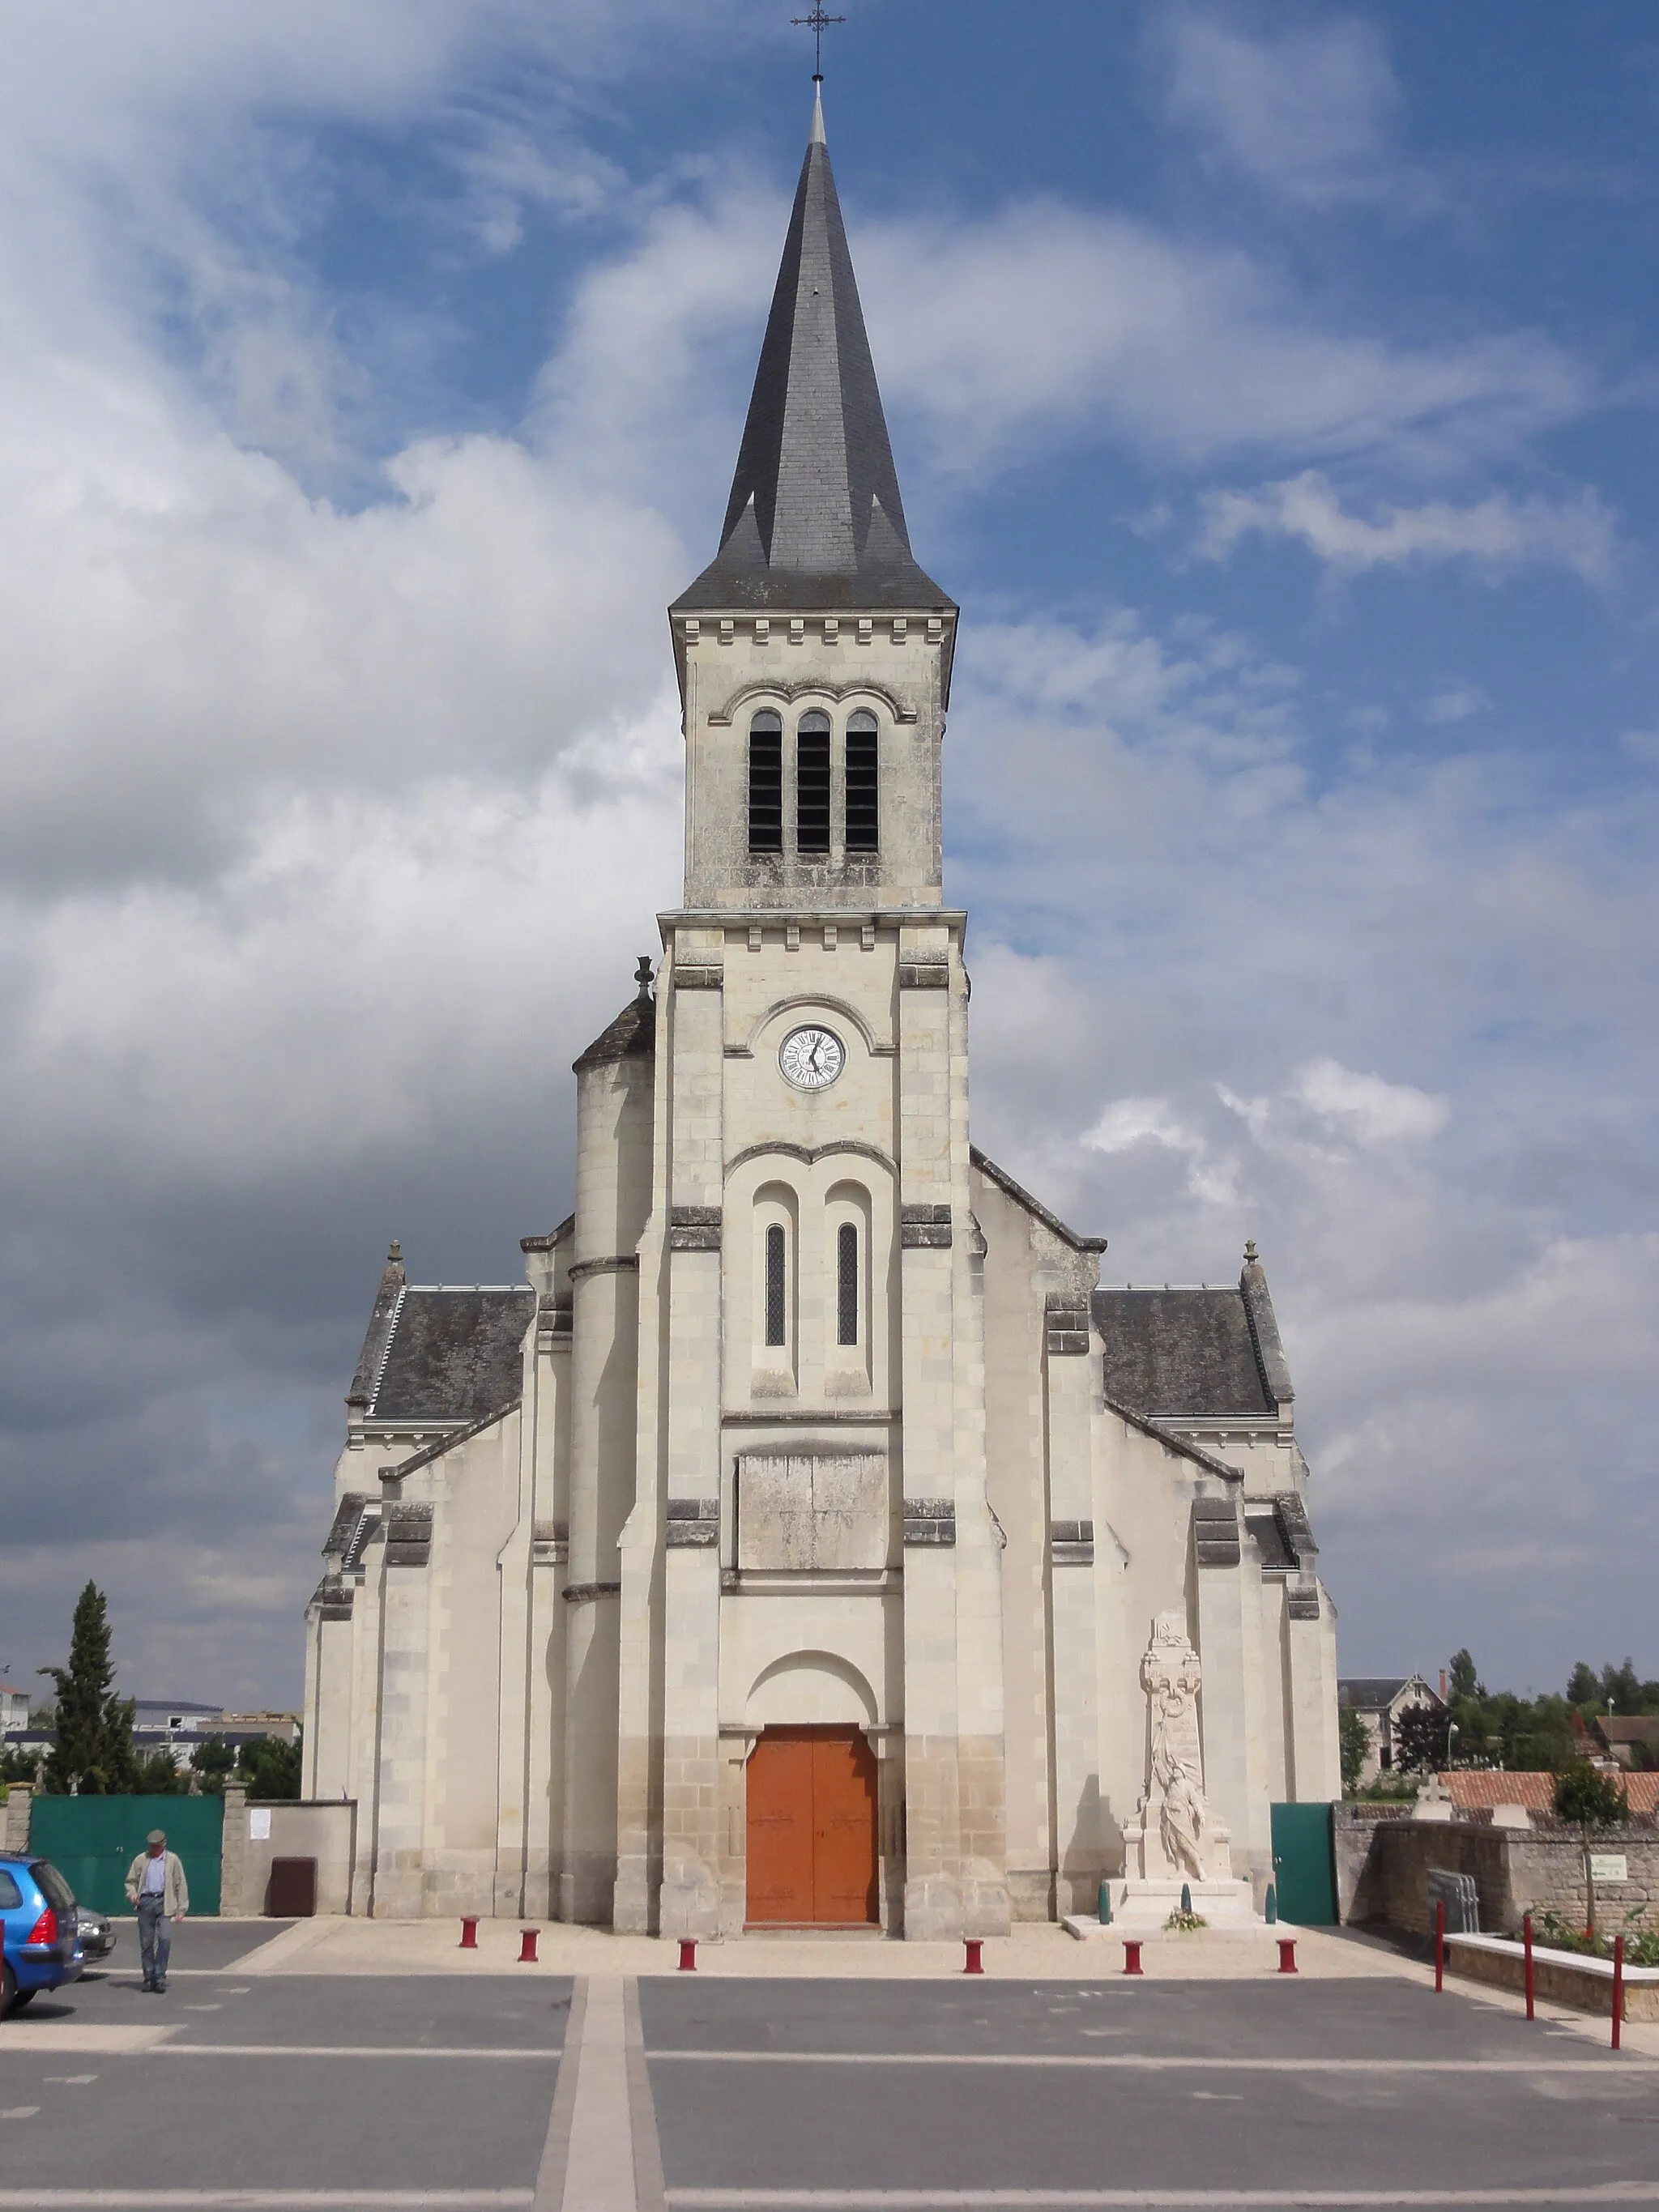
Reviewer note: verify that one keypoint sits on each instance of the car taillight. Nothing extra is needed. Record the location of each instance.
(44, 1930)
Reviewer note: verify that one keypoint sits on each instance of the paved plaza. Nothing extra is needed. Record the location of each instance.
(336, 2064)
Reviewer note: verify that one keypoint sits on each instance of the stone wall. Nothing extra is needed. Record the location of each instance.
(1383, 1870)
(325, 1831)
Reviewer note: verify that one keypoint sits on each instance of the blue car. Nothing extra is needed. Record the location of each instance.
(38, 1940)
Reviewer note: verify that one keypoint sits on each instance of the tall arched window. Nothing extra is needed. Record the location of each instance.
(812, 784)
(766, 783)
(863, 825)
(777, 1284)
(847, 1285)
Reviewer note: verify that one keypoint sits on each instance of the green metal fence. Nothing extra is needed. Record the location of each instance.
(93, 1840)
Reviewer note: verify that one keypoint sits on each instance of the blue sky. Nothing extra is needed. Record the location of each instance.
(1275, 386)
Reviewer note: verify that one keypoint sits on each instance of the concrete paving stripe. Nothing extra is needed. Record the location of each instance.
(1186, 2200)
(260, 2200)
(1105, 2061)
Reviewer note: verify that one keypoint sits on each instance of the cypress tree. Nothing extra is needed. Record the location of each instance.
(93, 1752)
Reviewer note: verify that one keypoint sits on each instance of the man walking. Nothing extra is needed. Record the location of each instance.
(157, 1892)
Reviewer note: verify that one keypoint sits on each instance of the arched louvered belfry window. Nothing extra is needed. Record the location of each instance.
(863, 819)
(777, 1284)
(812, 784)
(766, 783)
(848, 1285)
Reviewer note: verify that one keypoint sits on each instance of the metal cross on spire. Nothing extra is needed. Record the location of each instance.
(815, 22)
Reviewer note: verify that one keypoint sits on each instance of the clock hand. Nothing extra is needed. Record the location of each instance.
(812, 1056)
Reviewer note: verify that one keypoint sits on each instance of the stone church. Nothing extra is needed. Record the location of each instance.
(809, 1539)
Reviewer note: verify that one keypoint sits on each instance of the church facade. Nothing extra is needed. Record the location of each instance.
(809, 1539)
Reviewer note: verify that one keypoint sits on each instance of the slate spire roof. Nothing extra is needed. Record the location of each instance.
(815, 518)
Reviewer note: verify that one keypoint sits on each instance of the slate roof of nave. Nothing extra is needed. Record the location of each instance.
(1196, 1353)
(1182, 1351)
(454, 1354)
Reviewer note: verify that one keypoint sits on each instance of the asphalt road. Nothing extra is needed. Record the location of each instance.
(311, 2091)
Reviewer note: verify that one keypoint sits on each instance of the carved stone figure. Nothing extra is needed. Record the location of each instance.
(1171, 1676)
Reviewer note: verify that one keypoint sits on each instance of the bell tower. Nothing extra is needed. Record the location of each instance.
(811, 1551)
(814, 653)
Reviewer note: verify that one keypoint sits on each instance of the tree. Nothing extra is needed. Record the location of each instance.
(213, 1763)
(1621, 1688)
(1419, 1739)
(1582, 1688)
(1590, 1798)
(158, 1777)
(269, 1767)
(1464, 1681)
(1356, 1745)
(93, 1752)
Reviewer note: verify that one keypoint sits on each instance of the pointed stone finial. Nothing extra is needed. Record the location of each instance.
(394, 1257)
(1250, 1252)
(642, 975)
(815, 136)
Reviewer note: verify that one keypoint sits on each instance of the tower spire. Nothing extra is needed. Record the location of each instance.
(815, 518)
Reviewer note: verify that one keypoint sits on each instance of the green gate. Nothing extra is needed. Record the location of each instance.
(93, 1840)
(1304, 1864)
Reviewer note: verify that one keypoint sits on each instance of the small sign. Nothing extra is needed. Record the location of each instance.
(259, 1829)
(1609, 1866)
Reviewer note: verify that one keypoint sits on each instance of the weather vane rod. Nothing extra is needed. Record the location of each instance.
(815, 22)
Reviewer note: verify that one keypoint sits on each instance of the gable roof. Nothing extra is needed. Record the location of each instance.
(1182, 1352)
(814, 518)
(451, 1354)
(1375, 1693)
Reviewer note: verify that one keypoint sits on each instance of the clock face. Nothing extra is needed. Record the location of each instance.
(812, 1058)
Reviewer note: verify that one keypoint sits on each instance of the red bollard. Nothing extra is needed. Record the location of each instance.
(1130, 1957)
(974, 1945)
(1287, 1955)
(688, 1954)
(1618, 1986)
(469, 1934)
(1526, 1937)
(527, 1947)
(1439, 1946)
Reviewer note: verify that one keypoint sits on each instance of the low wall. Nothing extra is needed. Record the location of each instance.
(324, 1829)
(1559, 1975)
(1383, 1868)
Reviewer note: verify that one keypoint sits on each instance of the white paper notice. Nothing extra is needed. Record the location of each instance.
(259, 1825)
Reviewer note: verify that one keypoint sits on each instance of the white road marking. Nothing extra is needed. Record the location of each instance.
(1590, 2068)
(544, 2053)
(260, 2200)
(1198, 2200)
(20, 2112)
(73, 2081)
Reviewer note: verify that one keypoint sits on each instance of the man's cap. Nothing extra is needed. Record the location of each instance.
(157, 1836)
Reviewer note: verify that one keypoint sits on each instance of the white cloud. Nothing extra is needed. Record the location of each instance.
(1045, 318)
(1128, 1123)
(1370, 1110)
(1495, 535)
(1308, 113)
(1456, 700)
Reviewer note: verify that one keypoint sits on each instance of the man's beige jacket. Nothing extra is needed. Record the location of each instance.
(175, 1897)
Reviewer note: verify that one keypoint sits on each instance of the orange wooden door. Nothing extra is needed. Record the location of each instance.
(843, 1828)
(780, 1776)
(812, 1828)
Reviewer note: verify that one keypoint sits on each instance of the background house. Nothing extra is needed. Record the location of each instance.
(1379, 1700)
(13, 1709)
